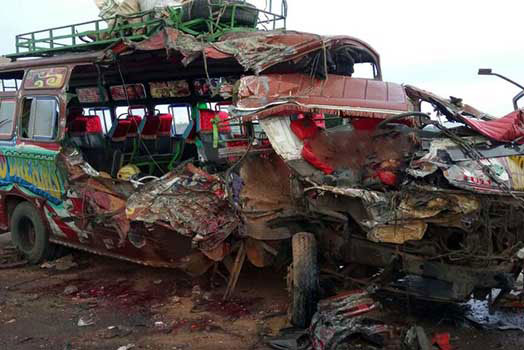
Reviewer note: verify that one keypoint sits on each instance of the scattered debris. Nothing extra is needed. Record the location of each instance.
(116, 332)
(341, 317)
(163, 327)
(70, 290)
(127, 347)
(290, 339)
(63, 264)
(85, 321)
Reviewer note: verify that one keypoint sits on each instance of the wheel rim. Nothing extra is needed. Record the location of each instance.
(27, 234)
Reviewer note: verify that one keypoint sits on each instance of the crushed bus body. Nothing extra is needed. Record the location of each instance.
(161, 148)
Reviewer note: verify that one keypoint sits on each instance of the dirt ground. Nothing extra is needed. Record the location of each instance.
(120, 304)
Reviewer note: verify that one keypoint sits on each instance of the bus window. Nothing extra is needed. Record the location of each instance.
(181, 117)
(39, 118)
(7, 114)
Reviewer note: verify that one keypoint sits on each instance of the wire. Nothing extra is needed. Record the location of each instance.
(134, 120)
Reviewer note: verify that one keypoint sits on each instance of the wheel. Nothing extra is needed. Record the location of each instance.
(245, 15)
(29, 234)
(304, 279)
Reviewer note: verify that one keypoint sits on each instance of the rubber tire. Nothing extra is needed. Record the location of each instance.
(305, 279)
(41, 249)
(244, 17)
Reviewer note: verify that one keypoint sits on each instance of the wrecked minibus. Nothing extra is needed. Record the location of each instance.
(160, 145)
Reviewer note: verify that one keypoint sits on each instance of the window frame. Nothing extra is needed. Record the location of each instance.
(56, 125)
(189, 108)
(13, 124)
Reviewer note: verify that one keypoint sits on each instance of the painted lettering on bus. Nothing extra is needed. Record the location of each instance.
(40, 173)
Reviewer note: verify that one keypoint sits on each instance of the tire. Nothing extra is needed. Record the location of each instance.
(29, 234)
(304, 279)
(245, 16)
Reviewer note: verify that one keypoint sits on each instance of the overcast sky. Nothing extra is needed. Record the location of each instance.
(435, 45)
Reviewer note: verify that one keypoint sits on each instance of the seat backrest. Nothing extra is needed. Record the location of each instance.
(94, 125)
(205, 121)
(94, 133)
(165, 125)
(164, 133)
(119, 131)
(149, 127)
(135, 122)
(78, 125)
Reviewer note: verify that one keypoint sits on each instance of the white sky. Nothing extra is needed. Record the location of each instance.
(435, 45)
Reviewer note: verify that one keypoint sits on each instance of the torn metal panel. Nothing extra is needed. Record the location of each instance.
(452, 108)
(265, 196)
(396, 220)
(190, 203)
(274, 94)
(398, 234)
(260, 51)
(472, 175)
(346, 315)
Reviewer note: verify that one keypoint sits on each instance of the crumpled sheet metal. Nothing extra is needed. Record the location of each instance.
(341, 317)
(451, 108)
(277, 94)
(255, 51)
(190, 203)
(469, 174)
(259, 51)
(97, 199)
(74, 164)
(398, 234)
(396, 220)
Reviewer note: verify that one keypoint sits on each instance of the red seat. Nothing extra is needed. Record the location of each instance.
(120, 130)
(150, 128)
(164, 141)
(165, 124)
(78, 125)
(94, 125)
(135, 121)
(87, 132)
(132, 132)
(148, 134)
(206, 121)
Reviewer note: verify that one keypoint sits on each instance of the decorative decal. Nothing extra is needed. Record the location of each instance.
(176, 88)
(134, 92)
(46, 78)
(34, 172)
(92, 95)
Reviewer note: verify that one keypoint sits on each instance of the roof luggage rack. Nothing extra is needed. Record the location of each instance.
(209, 19)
